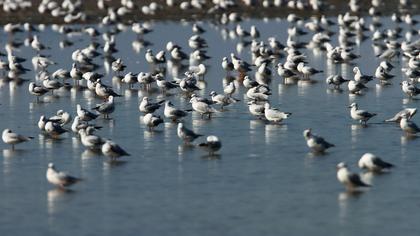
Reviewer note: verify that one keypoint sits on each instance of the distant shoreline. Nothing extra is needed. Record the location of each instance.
(333, 8)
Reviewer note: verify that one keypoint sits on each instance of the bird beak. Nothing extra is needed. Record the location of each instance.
(400, 83)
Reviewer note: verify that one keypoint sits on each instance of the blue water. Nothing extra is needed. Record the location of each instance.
(263, 182)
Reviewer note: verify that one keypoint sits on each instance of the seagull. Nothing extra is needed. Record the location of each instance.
(60, 179)
(306, 70)
(187, 135)
(202, 107)
(151, 121)
(54, 129)
(165, 85)
(43, 121)
(62, 117)
(408, 126)
(274, 115)
(173, 113)
(373, 163)
(12, 138)
(106, 108)
(212, 144)
(336, 80)
(316, 143)
(359, 77)
(382, 74)
(221, 99)
(113, 150)
(397, 117)
(360, 115)
(258, 94)
(227, 65)
(77, 125)
(256, 109)
(84, 114)
(350, 180)
(409, 89)
(37, 90)
(355, 87)
(146, 106)
(90, 140)
(104, 91)
(129, 79)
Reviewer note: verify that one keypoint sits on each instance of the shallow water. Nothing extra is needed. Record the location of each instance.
(263, 182)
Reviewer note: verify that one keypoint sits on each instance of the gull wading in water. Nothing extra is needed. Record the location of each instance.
(360, 115)
(316, 143)
(274, 115)
(397, 117)
(113, 150)
(60, 179)
(373, 163)
(188, 136)
(408, 126)
(106, 108)
(350, 180)
(11, 138)
(212, 144)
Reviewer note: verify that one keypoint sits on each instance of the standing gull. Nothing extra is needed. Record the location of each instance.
(274, 115)
(360, 115)
(58, 178)
(106, 108)
(12, 138)
(187, 135)
(408, 126)
(316, 143)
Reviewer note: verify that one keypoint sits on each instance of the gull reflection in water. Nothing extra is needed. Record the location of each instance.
(55, 197)
(344, 199)
(405, 138)
(9, 154)
(184, 148)
(356, 130)
(272, 132)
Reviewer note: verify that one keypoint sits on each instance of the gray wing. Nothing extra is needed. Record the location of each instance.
(383, 164)
(355, 179)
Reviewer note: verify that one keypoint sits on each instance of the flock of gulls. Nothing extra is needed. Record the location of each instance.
(181, 71)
